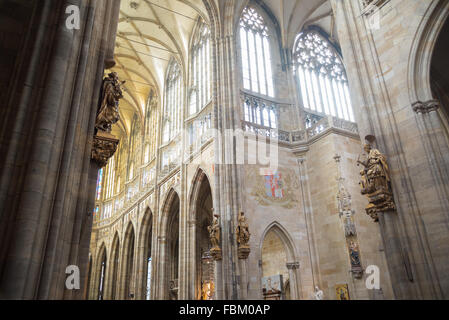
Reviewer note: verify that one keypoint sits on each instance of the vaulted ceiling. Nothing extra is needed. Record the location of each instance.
(151, 32)
(294, 15)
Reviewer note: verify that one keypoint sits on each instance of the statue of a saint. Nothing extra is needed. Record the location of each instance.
(242, 231)
(376, 175)
(108, 113)
(318, 294)
(354, 254)
(214, 232)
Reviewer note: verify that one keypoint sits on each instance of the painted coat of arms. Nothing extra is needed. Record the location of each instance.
(274, 188)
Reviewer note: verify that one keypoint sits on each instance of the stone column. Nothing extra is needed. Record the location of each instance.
(295, 286)
(419, 174)
(46, 218)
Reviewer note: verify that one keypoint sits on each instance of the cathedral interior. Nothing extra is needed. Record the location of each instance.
(224, 149)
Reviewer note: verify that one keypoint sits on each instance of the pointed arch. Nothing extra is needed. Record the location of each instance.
(168, 266)
(420, 58)
(200, 83)
(278, 253)
(322, 83)
(173, 102)
(100, 272)
(284, 236)
(112, 290)
(197, 181)
(202, 274)
(145, 256)
(256, 51)
(127, 286)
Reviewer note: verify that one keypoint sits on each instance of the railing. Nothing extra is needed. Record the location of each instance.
(314, 127)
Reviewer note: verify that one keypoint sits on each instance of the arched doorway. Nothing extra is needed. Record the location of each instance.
(101, 272)
(128, 275)
(89, 278)
(171, 251)
(146, 257)
(278, 281)
(203, 215)
(114, 265)
(439, 74)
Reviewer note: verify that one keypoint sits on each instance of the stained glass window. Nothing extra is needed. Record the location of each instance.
(201, 88)
(99, 184)
(256, 55)
(173, 103)
(321, 76)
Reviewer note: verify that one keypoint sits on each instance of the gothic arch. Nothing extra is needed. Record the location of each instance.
(420, 58)
(144, 251)
(127, 274)
(100, 273)
(199, 177)
(271, 21)
(168, 242)
(114, 266)
(290, 269)
(201, 275)
(285, 237)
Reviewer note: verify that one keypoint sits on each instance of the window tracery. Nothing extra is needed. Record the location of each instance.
(321, 76)
(256, 55)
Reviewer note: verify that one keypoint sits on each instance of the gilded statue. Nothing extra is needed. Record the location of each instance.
(214, 232)
(242, 231)
(376, 183)
(108, 113)
(376, 175)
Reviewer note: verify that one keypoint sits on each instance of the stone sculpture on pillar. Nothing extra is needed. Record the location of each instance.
(243, 236)
(111, 93)
(105, 144)
(376, 183)
(214, 233)
(318, 294)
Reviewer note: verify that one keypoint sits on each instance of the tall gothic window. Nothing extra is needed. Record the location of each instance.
(110, 182)
(256, 55)
(321, 76)
(100, 183)
(151, 130)
(173, 102)
(200, 93)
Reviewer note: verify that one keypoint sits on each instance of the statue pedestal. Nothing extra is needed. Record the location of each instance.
(380, 201)
(215, 252)
(244, 252)
(104, 147)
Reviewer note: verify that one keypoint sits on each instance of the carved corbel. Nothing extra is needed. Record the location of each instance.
(426, 107)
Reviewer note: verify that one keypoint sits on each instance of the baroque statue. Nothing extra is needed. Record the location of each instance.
(111, 93)
(242, 231)
(318, 294)
(105, 144)
(376, 182)
(215, 235)
(243, 235)
(214, 232)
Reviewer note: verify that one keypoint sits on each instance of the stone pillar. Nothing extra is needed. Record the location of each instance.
(46, 174)
(414, 149)
(295, 286)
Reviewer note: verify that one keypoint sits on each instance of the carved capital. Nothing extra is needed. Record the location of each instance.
(293, 265)
(426, 107)
(104, 147)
